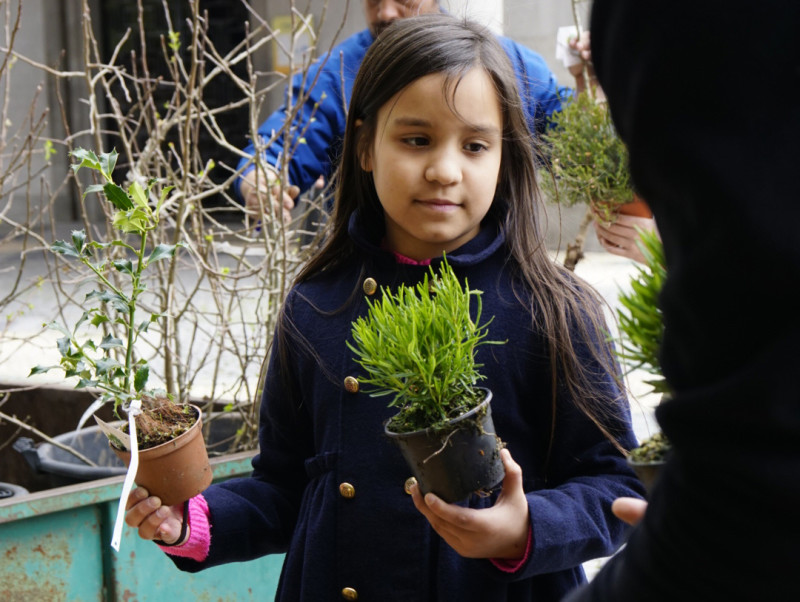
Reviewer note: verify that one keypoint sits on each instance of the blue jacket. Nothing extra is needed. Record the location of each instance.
(315, 435)
(322, 136)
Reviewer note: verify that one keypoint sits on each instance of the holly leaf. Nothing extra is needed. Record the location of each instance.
(62, 247)
(98, 319)
(86, 158)
(138, 194)
(110, 342)
(162, 251)
(117, 196)
(107, 366)
(63, 345)
(108, 161)
(140, 378)
(124, 265)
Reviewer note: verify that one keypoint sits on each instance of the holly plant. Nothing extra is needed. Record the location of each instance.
(109, 364)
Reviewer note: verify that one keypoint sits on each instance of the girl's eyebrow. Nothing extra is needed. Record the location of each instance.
(488, 130)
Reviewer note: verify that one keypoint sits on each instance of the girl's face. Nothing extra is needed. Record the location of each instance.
(435, 169)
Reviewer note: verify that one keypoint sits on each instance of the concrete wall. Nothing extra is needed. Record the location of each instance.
(26, 96)
(534, 23)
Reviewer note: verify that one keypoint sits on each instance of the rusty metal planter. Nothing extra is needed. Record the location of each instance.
(54, 545)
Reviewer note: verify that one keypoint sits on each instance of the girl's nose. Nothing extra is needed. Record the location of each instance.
(444, 170)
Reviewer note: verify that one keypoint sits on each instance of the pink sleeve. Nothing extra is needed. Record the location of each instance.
(512, 566)
(199, 542)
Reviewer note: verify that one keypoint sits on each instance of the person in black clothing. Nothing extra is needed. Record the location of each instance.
(705, 94)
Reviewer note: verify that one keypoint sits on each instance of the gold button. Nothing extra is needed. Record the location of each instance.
(351, 384)
(409, 482)
(347, 491)
(348, 593)
(370, 286)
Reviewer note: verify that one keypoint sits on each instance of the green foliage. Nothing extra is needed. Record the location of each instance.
(652, 449)
(110, 365)
(589, 160)
(640, 320)
(419, 345)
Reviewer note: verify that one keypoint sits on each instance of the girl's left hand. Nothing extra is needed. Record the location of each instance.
(499, 532)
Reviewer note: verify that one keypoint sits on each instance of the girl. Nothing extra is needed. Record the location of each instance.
(437, 158)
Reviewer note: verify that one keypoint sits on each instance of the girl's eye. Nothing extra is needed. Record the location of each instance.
(416, 141)
(476, 147)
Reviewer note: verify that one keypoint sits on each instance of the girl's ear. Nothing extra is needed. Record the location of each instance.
(365, 155)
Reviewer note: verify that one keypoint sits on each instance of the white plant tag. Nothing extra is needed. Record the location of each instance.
(134, 410)
(567, 55)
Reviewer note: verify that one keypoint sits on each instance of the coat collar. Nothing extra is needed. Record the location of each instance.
(490, 238)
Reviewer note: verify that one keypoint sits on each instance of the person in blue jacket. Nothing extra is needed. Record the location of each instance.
(437, 159)
(324, 91)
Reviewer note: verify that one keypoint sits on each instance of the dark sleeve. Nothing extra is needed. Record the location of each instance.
(256, 515)
(705, 94)
(315, 131)
(570, 510)
(540, 92)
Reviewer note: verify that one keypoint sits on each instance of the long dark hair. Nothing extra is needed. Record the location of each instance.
(565, 311)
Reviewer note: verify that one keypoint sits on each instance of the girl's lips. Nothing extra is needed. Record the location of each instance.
(438, 204)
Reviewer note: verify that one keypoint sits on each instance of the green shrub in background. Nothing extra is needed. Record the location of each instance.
(589, 161)
(639, 316)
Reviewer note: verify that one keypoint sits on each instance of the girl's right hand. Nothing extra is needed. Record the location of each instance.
(154, 521)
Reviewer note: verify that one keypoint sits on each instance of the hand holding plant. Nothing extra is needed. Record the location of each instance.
(590, 161)
(419, 345)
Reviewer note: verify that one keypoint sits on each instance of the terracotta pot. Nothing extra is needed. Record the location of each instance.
(454, 462)
(174, 471)
(647, 472)
(637, 207)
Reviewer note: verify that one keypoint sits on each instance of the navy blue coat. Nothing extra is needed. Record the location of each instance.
(315, 436)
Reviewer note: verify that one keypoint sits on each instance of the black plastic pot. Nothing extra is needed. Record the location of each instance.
(63, 468)
(454, 462)
(8, 490)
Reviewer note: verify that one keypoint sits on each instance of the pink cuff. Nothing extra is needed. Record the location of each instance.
(512, 566)
(199, 542)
